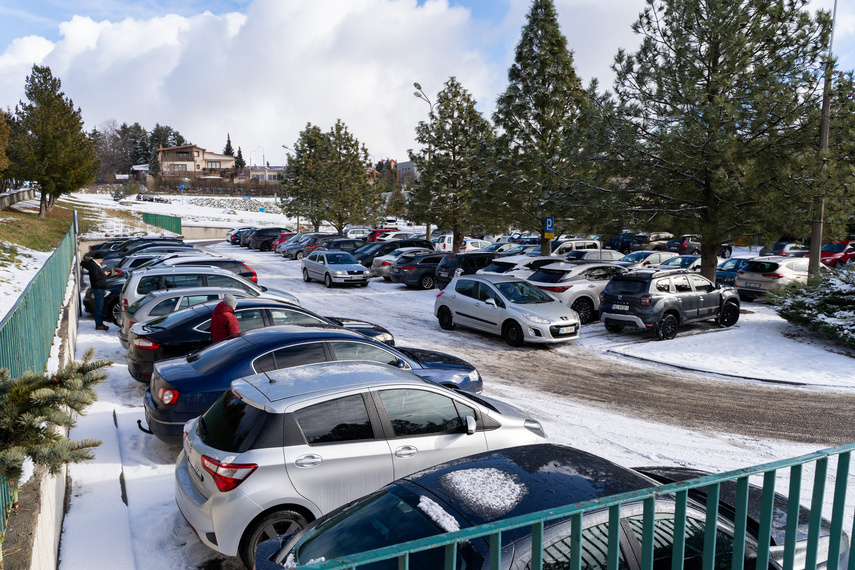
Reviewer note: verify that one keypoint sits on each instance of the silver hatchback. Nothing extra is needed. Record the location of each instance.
(761, 274)
(280, 449)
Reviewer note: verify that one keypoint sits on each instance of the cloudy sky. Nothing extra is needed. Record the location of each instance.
(260, 70)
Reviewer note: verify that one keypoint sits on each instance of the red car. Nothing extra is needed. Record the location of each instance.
(281, 238)
(836, 254)
(375, 233)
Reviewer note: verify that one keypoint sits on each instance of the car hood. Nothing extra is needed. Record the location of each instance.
(280, 296)
(433, 359)
(554, 311)
(346, 267)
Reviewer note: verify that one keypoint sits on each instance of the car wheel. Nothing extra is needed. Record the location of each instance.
(667, 328)
(446, 320)
(426, 282)
(115, 312)
(327, 280)
(726, 253)
(695, 252)
(269, 526)
(306, 277)
(513, 334)
(298, 255)
(364, 284)
(585, 308)
(613, 328)
(265, 247)
(729, 315)
(838, 264)
(387, 279)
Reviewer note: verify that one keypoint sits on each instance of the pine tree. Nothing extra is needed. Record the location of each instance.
(451, 167)
(239, 160)
(4, 142)
(228, 150)
(302, 186)
(348, 195)
(713, 110)
(35, 405)
(535, 115)
(50, 145)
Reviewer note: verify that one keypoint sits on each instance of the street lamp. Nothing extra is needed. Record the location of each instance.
(263, 162)
(421, 95)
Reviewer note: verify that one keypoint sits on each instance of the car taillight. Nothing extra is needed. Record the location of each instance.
(168, 396)
(117, 271)
(555, 289)
(125, 304)
(407, 268)
(186, 429)
(227, 476)
(782, 252)
(602, 296)
(740, 272)
(132, 323)
(440, 294)
(144, 343)
(646, 300)
(773, 275)
(254, 277)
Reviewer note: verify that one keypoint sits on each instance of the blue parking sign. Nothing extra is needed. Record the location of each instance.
(549, 224)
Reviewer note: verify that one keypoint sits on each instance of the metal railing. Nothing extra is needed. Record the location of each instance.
(169, 223)
(679, 493)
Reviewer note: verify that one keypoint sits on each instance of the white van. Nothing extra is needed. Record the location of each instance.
(575, 245)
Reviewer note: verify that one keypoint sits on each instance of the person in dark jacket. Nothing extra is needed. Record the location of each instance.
(98, 283)
(224, 323)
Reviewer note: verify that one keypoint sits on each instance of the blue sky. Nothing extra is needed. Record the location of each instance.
(260, 70)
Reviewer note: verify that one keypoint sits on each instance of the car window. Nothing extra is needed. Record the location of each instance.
(165, 307)
(249, 319)
(190, 300)
(599, 274)
(231, 425)
(147, 285)
(801, 265)
(522, 292)
(336, 421)
(419, 412)
(594, 551)
(465, 287)
(228, 282)
(286, 357)
(183, 281)
(286, 317)
(485, 292)
(347, 350)
(663, 285)
(701, 284)
(681, 284)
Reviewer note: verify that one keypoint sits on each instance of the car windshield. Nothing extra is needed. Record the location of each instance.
(230, 424)
(216, 356)
(519, 249)
(546, 276)
(388, 517)
(732, 264)
(499, 267)
(341, 259)
(139, 303)
(834, 247)
(635, 257)
(680, 261)
(760, 266)
(523, 293)
(622, 286)
(492, 247)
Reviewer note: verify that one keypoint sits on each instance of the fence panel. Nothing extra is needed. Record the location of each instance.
(169, 223)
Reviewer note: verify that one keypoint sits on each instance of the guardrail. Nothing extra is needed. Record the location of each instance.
(169, 223)
(679, 492)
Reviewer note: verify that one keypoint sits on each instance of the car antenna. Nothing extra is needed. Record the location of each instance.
(269, 379)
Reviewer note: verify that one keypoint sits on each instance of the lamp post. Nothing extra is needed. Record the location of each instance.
(263, 162)
(419, 93)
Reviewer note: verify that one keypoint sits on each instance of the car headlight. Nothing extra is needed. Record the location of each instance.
(339, 272)
(474, 376)
(535, 427)
(536, 319)
(383, 337)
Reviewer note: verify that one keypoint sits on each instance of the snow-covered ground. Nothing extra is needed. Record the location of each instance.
(150, 533)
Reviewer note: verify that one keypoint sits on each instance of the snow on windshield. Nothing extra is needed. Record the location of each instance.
(438, 515)
(489, 492)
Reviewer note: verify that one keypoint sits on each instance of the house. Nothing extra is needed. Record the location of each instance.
(193, 161)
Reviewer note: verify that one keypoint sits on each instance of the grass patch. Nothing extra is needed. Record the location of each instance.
(28, 230)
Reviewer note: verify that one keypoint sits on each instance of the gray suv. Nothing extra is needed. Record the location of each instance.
(300, 442)
(663, 300)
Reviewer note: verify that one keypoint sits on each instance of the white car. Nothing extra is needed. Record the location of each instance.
(577, 285)
(381, 266)
(357, 233)
(392, 236)
(471, 244)
(334, 267)
(507, 306)
(519, 266)
(575, 245)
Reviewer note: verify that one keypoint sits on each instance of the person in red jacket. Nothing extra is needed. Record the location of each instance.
(224, 323)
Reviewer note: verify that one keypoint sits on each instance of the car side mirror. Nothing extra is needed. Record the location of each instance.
(491, 302)
(471, 425)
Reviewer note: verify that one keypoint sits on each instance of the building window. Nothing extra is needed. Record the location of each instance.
(196, 153)
(271, 176)
(213, 164)
(256, 176)
(179, 168)
(183, 154)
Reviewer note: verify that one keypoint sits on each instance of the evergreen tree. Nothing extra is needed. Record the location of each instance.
(35, 405)
(535, 115)
(713, 110)
(302, 185)
(228, 150)
(450, 163)
(4, 143)
(239, 161)
(396, 206)
(50, 145)
(348, 193)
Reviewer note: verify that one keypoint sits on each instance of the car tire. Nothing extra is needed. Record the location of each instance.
(298, 255)
(364, 284)
(695, 252)
(513, 334)
(306, 277)
(265, 247)
(446, 319)
(613, 328)
(585, 308)
(838, 264)
(115, 312)
(729, 315)
(387, 279)
(667, 327)
(426, 282)
(726, 253)
(327, 280)
(269, 526)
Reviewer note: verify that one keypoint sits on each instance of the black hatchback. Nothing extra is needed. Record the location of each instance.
(462, 264)
(417, 270)
(182, 332)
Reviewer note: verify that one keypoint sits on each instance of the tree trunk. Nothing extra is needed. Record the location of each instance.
(43, 205)
(709, 260)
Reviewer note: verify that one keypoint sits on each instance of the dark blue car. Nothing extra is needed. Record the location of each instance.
(185, 387)
(725, 273)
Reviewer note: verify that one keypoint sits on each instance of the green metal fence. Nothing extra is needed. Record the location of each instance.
(833, 544)
(170, 223)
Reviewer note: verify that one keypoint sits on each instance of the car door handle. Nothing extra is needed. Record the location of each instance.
(308, 460)
(406, 451)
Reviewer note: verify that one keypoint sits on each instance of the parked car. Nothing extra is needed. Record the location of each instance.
(416, 270)
(564, 247)
(314, 242)
(761, 274)
(691, 244)
(366, 254)
(381, 266)
(377, 232)
(262, 238)
(130, 262)
(390, 236)
(358, 425)
(622, 243)
(725, 273)
(786, 249)
(127, 245)
(236, 237)
(246, 236)
(498, 247)
(293, 248)
(689, 262)
(837, 254)
(536, 479)
(521, 266)
(357, 233)
(142, 282)
(639, 259)
(182, 388)
(520, 250)
(182, 332)
(655, 241)
(472, 244)
(119, 242)
(444, 242)
(343, 244)
(236, 266)
(576, 284)
(460, 264)
(594, 255)
(334, 267)
(281, 238)
(664, 300)
(507, 306)
(234, 231)
(141, 247)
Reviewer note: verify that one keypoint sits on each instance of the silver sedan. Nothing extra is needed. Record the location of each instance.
(334, 267)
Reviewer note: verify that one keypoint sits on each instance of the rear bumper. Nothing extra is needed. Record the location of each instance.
(170, 431)
(625, 320)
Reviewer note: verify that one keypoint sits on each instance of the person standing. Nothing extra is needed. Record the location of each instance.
(224, 323)
(98, 282)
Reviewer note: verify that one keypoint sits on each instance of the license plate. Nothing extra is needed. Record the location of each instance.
(566, 330)
(443, 274)
(620, 307)
(755, 285)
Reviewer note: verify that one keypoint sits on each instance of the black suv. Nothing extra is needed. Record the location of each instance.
(664, 300)
(263, 238)
(416, 270)
(366, 254)
(462, 264)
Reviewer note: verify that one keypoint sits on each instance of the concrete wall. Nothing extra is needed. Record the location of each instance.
(203, 232)
(15, 196)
